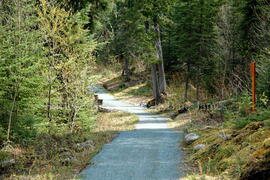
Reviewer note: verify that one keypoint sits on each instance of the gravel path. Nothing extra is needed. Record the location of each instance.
(150, 152)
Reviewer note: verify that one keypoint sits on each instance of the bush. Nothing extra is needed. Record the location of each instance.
(242, 115)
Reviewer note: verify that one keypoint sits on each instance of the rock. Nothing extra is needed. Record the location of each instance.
(87, 144)
(173, 115)
(105, 86)
(183, 110)
(254, 126)
(208, 128)
(106, 110)
(142, 104)
(191, 137)
(69, 160)
(223, 136)
(198, 147)
(7, 163)
(66, 154)
(151, 103)
(266, 143)
(63, 150)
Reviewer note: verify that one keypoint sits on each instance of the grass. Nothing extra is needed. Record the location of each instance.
(47, 158)
(137, 94)
(242, 154)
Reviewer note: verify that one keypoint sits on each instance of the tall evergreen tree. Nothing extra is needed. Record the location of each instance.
(194, 38)
(20, 56)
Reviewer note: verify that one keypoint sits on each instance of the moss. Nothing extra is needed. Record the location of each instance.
(244, 150)
(258, 165)
(266, 143)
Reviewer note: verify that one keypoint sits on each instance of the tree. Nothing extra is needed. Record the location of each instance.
(154, 10)
(21, 56)
(69, 56)
(194, 41)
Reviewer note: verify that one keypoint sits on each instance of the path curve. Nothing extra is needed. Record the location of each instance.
(150, 152)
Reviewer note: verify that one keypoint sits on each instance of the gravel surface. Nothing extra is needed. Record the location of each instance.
(150, 152)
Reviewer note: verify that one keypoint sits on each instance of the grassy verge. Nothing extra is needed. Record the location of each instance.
(136, 91)
(235, 148)
(62, 156)
(137, 94)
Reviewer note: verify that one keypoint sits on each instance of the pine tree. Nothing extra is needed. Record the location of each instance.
(21, 58)
(69, 58)
(194, 38)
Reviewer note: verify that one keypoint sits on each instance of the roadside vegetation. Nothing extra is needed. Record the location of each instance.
(171, 56)
(236, 138)
(62, 155)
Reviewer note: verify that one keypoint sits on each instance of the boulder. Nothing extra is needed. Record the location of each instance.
(87, 144)
(191, 137)
(198, 147)
(7, 163)
(69, 160)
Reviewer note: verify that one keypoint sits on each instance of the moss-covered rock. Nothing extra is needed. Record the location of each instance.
(244, 154)
(266, 143)
(258, 166)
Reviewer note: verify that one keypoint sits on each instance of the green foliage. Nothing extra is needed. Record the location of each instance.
(141, 91)
(45, 57)
(243, 114)
(192, 38)
(21, 56)
(70, 56)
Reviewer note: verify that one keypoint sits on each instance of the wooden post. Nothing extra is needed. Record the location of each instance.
(253, 77)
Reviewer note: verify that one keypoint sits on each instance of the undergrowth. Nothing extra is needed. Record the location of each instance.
(238, 147)
(63, 155)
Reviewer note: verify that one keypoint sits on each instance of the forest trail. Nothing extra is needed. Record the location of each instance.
(150, 152)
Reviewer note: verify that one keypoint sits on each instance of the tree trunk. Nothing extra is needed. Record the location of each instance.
(157, 70)
(198, 87)
(10, 115)
(159, 52)
(155, 87)
(126, 71)
(187, 82)
(154, 76)
(49, 116)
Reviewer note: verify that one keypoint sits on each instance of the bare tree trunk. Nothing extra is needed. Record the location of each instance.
(49, 100)
(10, 115)
(126, 71)
(154, 76)
(187, 82)
(162, 77)
(197, 87)
(157, 70)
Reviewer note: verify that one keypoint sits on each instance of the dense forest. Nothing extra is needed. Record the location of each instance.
(186, 51)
